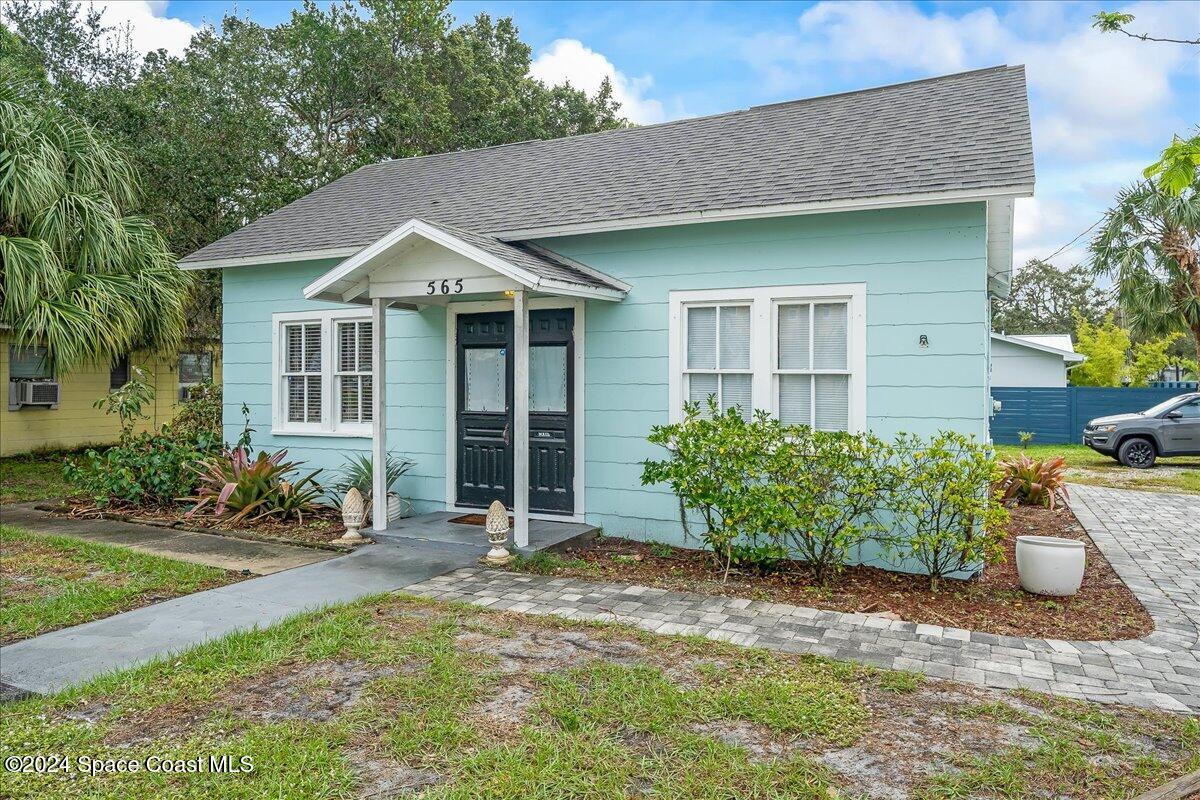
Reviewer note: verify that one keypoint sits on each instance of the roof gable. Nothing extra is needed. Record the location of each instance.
(410, 263)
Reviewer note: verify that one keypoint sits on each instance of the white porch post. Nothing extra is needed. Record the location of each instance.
(520, 420)
(379, 486)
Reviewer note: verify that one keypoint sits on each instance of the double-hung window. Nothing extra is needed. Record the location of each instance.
(323, 373)
(796, 351)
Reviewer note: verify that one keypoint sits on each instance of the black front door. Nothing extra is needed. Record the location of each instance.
(485, 370)
(485, 409)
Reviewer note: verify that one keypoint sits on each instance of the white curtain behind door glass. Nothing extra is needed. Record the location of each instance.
(548, 378)
(485, 379)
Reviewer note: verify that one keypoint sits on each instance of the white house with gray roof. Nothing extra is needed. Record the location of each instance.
(514, 319)
(1033, 359)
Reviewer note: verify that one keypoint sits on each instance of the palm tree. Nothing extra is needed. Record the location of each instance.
(79, 273)
(1149, 244)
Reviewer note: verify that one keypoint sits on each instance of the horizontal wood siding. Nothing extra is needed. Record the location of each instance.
(925, 271)
(416, 389)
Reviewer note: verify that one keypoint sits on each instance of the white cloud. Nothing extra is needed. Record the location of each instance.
(149, 27)
(570, 60)
(1102, 105)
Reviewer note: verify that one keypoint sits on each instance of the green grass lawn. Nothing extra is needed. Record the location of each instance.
(395, 696)
(1085, 465)
(34, 476)
(51, 582)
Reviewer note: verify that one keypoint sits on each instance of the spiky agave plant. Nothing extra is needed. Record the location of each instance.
(79, 272)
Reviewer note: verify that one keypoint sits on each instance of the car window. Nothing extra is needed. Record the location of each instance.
(1163, 407)
(1190, 410)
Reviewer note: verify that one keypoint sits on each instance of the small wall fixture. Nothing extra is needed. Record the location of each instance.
(923, 342)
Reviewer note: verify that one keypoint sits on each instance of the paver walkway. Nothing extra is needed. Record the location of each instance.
(259, 558)
(1152, 540)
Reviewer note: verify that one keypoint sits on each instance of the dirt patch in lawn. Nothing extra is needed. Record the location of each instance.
(1104, 608)
(321, 529)
(436, 705)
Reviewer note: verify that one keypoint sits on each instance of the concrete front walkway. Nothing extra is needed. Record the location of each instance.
(259, 558)
(61, 658)
(420, 548)
(1152, 540)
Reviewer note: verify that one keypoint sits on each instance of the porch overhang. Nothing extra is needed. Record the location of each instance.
(424, 263)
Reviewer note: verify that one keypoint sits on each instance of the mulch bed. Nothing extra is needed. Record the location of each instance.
(1104, 608)
(319, 530)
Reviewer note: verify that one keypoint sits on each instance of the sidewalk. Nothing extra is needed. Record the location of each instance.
(259, 558)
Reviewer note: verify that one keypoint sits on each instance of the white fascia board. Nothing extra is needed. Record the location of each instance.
(758, 212)
(273, 258)
(1045, 348)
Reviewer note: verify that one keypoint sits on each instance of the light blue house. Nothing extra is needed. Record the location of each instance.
(515, 318)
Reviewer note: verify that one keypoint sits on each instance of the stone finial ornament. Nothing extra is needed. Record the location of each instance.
(496, 526)
(354, 514)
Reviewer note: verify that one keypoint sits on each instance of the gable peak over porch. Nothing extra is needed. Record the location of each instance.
(423, 262)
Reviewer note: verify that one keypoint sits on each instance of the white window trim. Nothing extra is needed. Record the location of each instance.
(763, 303)
(329, 424)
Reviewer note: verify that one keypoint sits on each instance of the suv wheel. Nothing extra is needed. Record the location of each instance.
(1136, 453)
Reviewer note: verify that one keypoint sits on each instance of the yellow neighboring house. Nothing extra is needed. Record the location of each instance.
(42, 411)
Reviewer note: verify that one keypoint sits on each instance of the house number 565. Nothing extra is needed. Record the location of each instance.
(445, 286)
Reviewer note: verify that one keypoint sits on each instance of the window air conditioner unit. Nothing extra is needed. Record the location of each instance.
(34, 393)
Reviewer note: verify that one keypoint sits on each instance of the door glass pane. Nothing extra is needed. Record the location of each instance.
(735, 337)
(795, 399)
(829, 336)
(735, 391)
(548, 378)
(833, 402)
(702, 338)
(485, 379)
(793, 337)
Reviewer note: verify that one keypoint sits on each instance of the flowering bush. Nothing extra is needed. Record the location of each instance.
(767, 492)
(943, 511)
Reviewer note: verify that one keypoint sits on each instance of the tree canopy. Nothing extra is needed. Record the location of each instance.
(80, 273)
(1046, 299)
(251, 117)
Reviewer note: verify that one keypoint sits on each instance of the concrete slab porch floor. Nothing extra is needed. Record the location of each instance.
(412, 551)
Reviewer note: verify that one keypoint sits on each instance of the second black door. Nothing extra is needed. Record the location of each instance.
(485, 410)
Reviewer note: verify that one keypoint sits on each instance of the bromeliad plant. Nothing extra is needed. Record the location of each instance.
(251, 491)
(1034, 483)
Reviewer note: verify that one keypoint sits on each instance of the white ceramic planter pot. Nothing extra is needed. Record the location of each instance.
(1049, 565)
(396, 506)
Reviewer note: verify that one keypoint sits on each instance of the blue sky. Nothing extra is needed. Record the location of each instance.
(1103, 106)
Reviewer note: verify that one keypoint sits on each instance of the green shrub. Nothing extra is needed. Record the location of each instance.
(251, 491)
(714, 459)
(199, 418)
(358, 472)
(768, 492)
(820, 493)
(944, 513)
(147, 469)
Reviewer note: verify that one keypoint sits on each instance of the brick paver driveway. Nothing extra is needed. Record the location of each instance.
(1152, 540)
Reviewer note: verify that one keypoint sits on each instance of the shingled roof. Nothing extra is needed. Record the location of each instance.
(958, 133)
